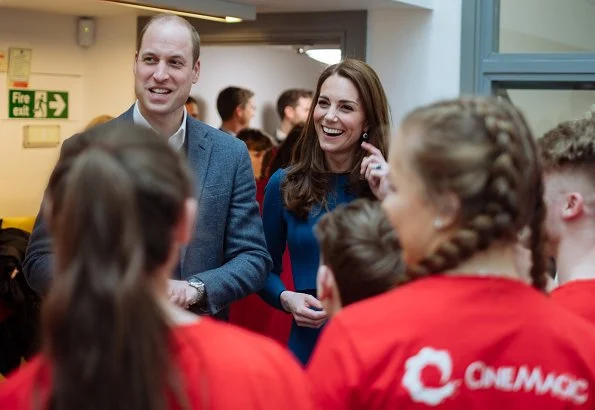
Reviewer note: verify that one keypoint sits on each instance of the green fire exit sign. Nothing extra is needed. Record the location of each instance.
(37, 104)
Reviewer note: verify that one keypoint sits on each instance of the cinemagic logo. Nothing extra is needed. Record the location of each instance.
(481, 376)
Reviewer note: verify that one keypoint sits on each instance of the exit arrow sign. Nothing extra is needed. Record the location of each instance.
(37, 104)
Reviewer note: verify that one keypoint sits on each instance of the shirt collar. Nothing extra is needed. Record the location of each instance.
(280, 135)
(176, 141)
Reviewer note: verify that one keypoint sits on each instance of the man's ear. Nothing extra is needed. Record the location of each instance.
(325, 283)
(239, 111)
(184, 229)
(195, 72)
(574, 206)
(135, 61)
(289, 112)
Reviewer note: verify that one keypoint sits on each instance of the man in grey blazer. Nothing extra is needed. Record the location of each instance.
(227, 259)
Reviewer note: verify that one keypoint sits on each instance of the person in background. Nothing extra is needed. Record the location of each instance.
(229, 259)
(236, 108)
(327, 170)
(121, 208)
(293, 107)
(282, 158)
(568, 153)
(259, 145)
(100, 119)
(465, 330)
(192, 107)
(360, 255)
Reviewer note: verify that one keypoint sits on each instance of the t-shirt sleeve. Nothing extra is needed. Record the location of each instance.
(334, 370)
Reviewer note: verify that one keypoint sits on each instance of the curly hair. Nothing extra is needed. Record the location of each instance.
(569, 144)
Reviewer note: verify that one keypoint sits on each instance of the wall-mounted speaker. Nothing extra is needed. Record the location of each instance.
(86, 32)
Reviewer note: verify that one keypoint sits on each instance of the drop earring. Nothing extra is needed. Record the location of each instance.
(364, 137)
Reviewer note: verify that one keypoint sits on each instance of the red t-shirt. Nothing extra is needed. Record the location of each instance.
(236, 369)
(578, 296)
(455, 342)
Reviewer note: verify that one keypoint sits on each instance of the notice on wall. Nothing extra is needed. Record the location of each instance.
(19, 67)
(37, 104)
(3, 61)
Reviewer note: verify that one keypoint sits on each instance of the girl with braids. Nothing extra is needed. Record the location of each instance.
(465, 330)
(330, 166)
(120, 207)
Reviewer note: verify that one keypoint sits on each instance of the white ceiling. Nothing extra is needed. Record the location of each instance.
(97, 8)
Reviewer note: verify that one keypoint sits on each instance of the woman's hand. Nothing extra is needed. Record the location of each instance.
(306, 309)
(375, 169)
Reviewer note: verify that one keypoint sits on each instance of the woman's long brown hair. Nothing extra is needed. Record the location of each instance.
(308, 180)
(112, 202)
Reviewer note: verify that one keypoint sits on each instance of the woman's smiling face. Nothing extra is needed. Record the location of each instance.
(339, 117)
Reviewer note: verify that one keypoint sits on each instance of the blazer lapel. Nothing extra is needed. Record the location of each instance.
(199, 153)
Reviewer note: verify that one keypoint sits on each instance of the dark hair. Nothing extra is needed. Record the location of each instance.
(191, 100)
(482, 150)
(230, 98)
(571, 144)
(194, 37)
(308, 180)
(290, 98)
(359, 245)
(255, 139)
(282, 158)
(112, 201)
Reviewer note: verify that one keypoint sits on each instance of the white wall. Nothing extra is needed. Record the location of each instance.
(416, 54)
(98, 80)
(266, 70)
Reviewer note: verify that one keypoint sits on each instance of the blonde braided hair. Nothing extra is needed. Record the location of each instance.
(482, 150)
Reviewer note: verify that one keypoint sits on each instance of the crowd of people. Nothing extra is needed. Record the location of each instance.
(419, 257)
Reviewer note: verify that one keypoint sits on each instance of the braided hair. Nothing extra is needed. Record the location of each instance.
(482, 150)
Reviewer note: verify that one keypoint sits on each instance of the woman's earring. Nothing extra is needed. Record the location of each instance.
(437, 224)
(364, 137)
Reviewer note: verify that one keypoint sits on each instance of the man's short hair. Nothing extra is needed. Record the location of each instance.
(230, 98)
(290, 98)
(359, 245)
(571, 144)
(194, 37)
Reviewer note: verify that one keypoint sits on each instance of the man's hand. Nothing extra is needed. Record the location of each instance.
(181, 293)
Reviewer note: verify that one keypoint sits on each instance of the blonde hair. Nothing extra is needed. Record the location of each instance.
(100, 119)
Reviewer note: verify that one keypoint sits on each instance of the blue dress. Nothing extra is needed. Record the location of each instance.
(283, 227)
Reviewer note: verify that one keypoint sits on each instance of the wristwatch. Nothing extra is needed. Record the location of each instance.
(200, 287)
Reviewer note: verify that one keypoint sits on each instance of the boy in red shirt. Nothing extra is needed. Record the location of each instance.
(568, 153)
(466, 331)
(360, 255)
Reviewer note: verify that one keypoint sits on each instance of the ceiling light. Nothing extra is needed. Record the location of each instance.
(325, 55)
(213, 10)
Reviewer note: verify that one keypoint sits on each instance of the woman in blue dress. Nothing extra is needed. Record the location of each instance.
(339, 157)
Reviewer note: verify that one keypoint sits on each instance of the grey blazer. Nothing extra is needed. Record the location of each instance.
(228, 252)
